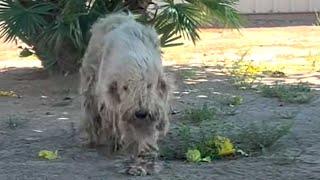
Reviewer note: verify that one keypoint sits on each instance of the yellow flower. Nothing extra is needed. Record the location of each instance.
(50, 155)
(224, 146)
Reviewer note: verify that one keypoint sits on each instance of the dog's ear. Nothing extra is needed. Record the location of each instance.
(114, 91)
(163, 87)
(166, 86)
(87, 78)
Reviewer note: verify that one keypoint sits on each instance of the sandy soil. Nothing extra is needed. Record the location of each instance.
(47, 117)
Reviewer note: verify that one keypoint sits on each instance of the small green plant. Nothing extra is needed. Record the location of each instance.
(258, 137)
(199, 115)
(187, 73)
(314, 60)
(202, 138)
(233, 101)
(13, 122)
(184, 140)
(253, 139)
(298, 93)
(244, 73)
(184, 132)
(236, 100)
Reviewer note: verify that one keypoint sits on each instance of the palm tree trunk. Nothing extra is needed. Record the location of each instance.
(139, 6)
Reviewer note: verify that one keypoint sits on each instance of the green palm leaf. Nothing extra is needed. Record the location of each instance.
(221, 11)
(66, 27)
(96, 9)
(185, 19)
(22, 22)
(178, 19)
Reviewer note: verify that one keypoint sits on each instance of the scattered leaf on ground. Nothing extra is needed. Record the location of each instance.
(8, 94)
(193, 156)
(49, 155)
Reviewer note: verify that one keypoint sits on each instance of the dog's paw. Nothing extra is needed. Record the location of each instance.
(136, 171)
(153, 167)
(143, 169)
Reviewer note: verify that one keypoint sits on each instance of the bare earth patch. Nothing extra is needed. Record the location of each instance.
(46, 116)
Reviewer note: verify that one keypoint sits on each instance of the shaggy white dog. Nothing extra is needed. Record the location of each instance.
(125, 91)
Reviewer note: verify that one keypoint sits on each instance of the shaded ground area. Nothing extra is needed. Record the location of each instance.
(46, 119)
(47, 114)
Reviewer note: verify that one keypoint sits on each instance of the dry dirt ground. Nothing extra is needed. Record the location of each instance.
(47, 114)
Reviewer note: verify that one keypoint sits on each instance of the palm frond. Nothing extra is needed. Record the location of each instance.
(66, 27)
(22, 22)
(184, 19)
(178, 19)
(221, 11)
(95, 10)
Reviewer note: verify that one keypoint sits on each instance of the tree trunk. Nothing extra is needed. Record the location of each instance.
(138, 6)
(65, 60)
(68, 58)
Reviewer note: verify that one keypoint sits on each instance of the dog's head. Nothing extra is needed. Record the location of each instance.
(142, 103)
(140, 106)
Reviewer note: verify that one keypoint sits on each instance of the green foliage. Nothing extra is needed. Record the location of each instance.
(23, 22)
(233, 100)
(184, 19)
(236, 100)
(186, 137)
(13, 122)
(201, 114)
(193, 156)
(197, 143)
(296, 93)
(52, 27)
(244, 73)
(258, 137)
(209, 137)
(314, 60)
(187, 73)
(254, 138)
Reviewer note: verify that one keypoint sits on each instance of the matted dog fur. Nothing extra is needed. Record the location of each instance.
(124, 90)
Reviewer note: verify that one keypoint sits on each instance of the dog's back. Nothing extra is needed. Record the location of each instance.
(106, 25)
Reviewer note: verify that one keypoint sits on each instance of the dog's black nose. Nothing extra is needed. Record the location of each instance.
(141, 114)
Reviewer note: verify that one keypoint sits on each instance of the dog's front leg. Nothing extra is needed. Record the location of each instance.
(145, 161)
(145, 164)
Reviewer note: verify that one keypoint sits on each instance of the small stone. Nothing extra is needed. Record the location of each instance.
(49, 113)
